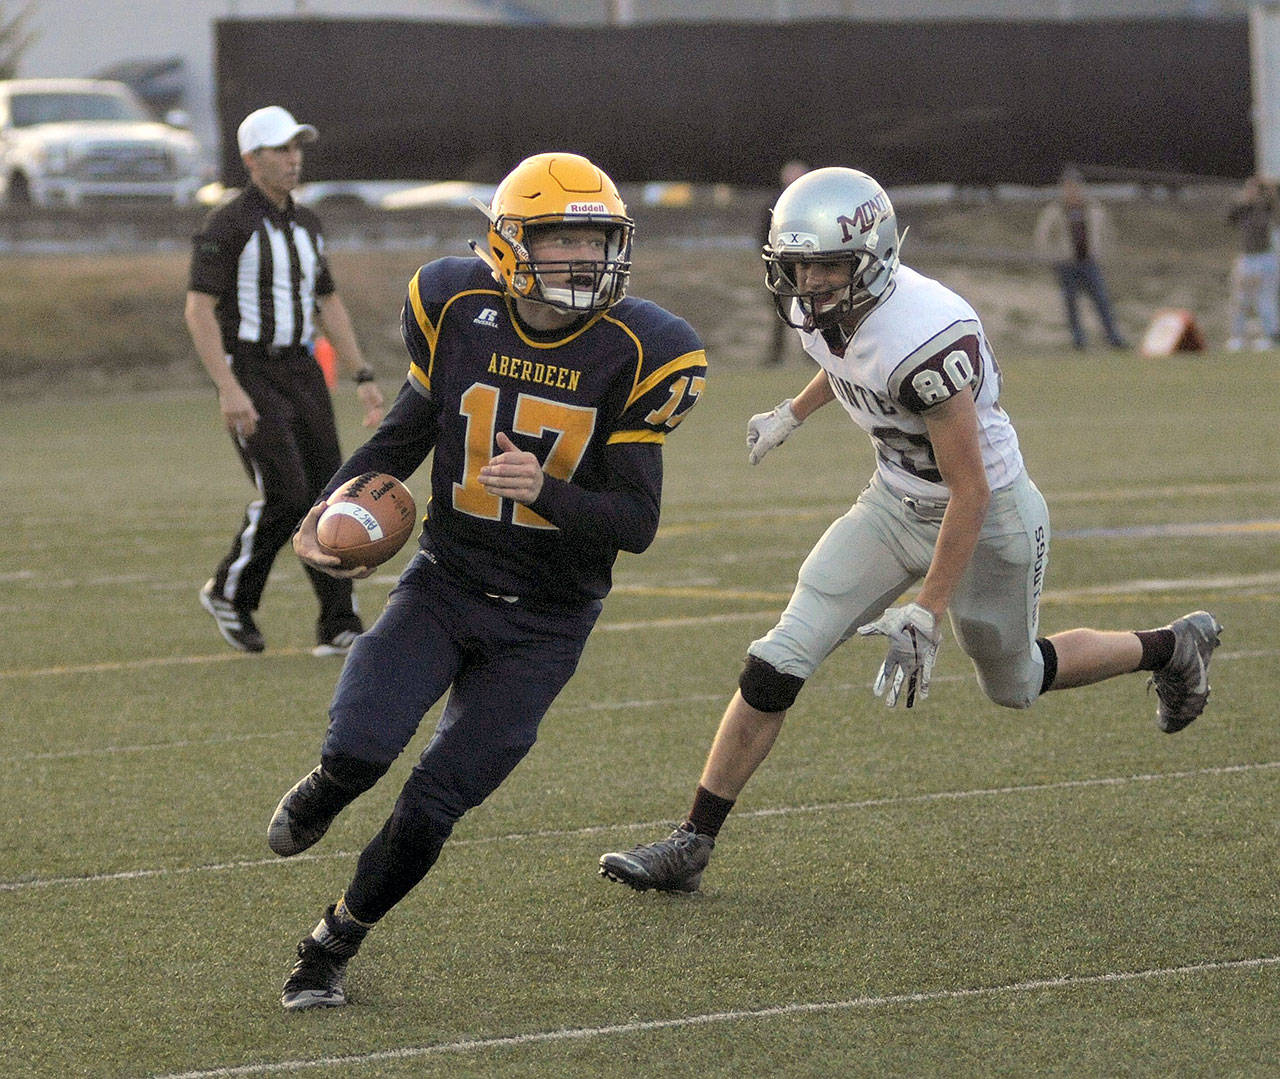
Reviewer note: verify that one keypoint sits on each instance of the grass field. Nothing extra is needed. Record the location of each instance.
(956, 890)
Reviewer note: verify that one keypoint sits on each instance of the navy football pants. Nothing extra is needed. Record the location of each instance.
(502, 665)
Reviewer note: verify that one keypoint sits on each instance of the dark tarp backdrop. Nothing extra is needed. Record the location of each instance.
(963, 102)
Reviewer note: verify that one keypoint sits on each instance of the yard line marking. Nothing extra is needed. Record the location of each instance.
(1120, 592)
(1121, 589)
(111, 666)
(147, 747)
(561, 707)
(1163, 584)
(597, 829)
(1131, 494)
(1197, 528)
(694, 619)
(643, 1026)
(892, 800)
(1154, 531)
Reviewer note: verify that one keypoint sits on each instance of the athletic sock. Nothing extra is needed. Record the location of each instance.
(708, 812)
(340, 931)
(1157, 648)
(1049, 655)
(346, 922)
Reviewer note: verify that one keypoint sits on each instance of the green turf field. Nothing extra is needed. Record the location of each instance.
(954, 890)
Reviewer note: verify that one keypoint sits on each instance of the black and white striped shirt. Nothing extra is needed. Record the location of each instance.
(266, 267)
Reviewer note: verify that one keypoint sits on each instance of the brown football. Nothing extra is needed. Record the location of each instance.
(367, 520)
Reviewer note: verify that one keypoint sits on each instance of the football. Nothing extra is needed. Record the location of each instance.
(367, 520)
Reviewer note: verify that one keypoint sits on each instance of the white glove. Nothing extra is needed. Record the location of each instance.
(769, 429)
(914, 638)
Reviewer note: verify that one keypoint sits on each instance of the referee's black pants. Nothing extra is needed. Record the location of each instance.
(289, 458)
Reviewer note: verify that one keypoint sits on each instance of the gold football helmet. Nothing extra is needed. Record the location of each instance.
(558, 189)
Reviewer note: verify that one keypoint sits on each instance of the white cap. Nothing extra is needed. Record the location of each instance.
(272, 126)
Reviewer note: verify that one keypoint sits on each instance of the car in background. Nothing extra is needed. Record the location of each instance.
(66, 141)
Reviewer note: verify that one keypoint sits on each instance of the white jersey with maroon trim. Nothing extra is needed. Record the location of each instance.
(920, 345)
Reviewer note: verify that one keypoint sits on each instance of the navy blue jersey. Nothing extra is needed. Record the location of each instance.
(593, 402)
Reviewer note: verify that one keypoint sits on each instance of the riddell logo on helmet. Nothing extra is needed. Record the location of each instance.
(586, 208)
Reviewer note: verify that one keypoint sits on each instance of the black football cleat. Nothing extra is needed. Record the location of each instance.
(1182, 685)
(304, 814)
(674, 864)
(316, 980)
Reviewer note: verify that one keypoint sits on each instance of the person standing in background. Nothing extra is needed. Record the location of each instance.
(1075, 232)
(258, 279)
(1255, 274)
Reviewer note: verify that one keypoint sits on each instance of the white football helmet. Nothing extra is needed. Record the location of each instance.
(831, 215)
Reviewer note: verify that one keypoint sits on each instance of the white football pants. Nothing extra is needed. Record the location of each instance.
(869, 557)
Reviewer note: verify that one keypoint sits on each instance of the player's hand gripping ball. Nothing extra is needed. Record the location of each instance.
(367, 520)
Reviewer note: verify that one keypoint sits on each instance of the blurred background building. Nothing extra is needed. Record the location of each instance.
(165, 50)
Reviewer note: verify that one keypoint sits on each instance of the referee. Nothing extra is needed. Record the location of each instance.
(259, 280)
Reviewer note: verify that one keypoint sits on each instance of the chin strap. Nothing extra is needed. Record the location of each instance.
(486, 258)
(520, 251)
(837, 338)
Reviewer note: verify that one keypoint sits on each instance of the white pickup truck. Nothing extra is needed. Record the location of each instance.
(64, 141)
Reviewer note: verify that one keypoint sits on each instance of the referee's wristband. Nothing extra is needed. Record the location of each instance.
(365, 374)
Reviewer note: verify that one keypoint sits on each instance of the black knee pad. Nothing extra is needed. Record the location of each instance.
(1050, 656)
(766, 688)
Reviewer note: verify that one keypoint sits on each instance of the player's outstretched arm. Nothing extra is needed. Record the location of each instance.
(769, 429)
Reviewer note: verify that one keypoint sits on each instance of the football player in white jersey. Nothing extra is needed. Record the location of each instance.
(949, 511)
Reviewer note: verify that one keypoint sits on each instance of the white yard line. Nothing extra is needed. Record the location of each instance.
(1119, 592)
(598, 829)
(644, 1026)
(564, 706)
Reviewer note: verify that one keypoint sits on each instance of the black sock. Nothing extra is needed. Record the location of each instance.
(708, 812)
(331, 795)
(1049, 655)
(352, 775)
(1157, 648)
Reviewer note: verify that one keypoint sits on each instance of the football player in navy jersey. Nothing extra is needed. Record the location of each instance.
(543, 396)
(950, 511)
